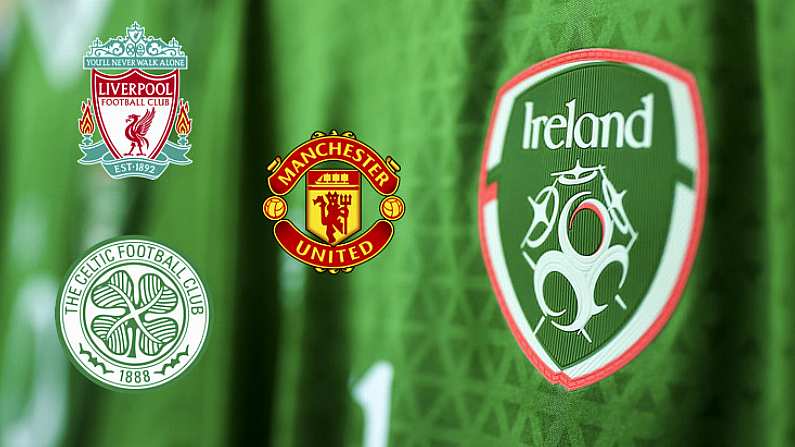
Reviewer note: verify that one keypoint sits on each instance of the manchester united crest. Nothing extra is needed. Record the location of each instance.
(135, 105)
(335, 169)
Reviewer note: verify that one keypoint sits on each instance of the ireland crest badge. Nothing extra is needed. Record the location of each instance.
(591, 202)
(136, 104)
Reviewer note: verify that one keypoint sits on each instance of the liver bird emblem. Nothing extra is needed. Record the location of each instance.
(136, 131)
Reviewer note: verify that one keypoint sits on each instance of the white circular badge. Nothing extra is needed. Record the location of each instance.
(132, 314)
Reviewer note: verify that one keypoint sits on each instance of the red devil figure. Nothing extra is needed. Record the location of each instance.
(334, 214)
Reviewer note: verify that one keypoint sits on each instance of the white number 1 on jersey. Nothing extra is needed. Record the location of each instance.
(373, 392)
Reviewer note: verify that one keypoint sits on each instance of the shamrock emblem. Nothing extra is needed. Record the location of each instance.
(139, 327)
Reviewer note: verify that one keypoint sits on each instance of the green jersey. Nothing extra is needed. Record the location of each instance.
(411, 348)
(420, 325)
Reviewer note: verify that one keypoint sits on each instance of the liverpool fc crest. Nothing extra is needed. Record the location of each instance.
(333, 201)
(592, 197)
(135, 110)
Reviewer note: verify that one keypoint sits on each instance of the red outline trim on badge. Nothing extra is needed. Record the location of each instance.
(487, 193)
(98, 112)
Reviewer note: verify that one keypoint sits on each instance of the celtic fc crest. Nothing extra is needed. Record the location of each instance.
(591, 202)
(133, 314)
(136, 109)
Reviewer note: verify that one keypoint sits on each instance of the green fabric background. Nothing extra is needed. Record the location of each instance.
(415, 80)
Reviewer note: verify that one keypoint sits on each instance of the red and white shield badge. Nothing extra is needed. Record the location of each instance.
(592, 196)
(135, 111)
